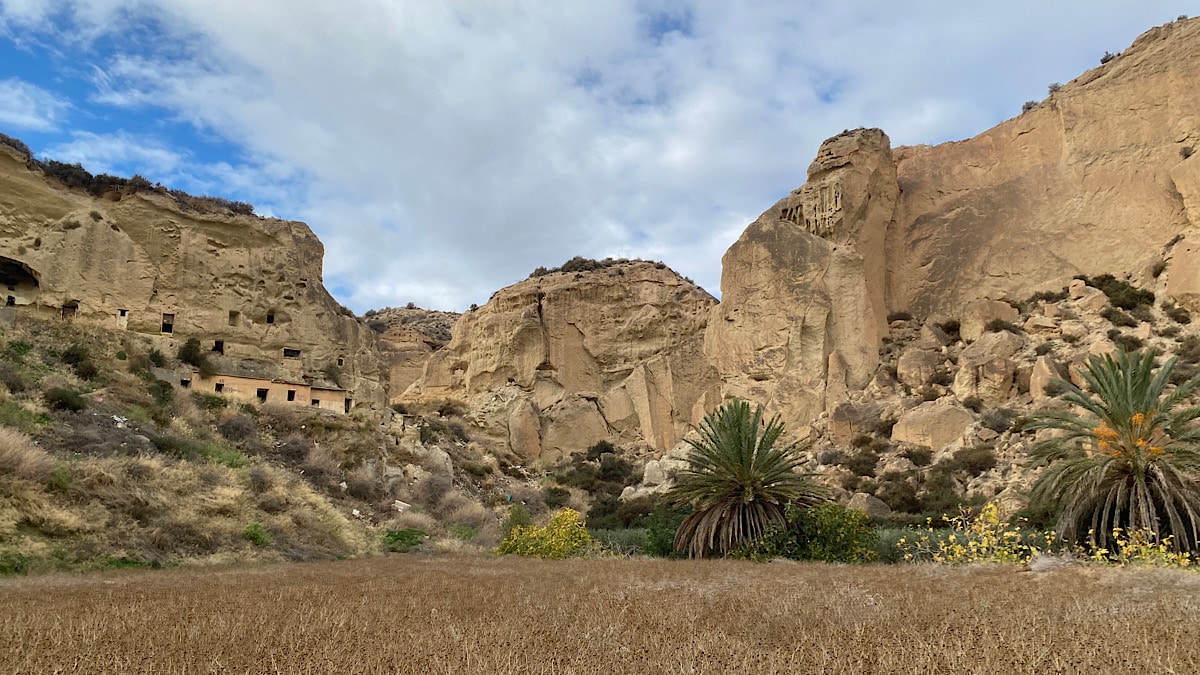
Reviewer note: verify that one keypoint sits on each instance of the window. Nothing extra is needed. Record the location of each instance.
(349, 404)
(219, 347)
(122, 312)
(186, 384)
(69, 310)
(341, 362)
(262, 394)
(11, 301)
(291, 394)
(233, 317)
(316, 402)
(168, 323)
(219, 387)
(291, 353)
(271, 317)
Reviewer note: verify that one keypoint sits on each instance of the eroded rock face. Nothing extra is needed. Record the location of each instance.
(1093, 179)
(248, 288)
(609, 354)
(806, 280)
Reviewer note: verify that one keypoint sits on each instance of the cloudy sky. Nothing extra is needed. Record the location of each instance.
(442, 149)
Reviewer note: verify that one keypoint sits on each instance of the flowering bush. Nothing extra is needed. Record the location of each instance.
(563, 537)
(987, 537)
(1140, 547)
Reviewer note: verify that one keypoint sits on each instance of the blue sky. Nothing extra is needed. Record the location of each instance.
(443, 150)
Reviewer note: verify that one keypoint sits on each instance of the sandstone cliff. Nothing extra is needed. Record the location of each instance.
(557, 362)
(1094, 179)
(249, 288)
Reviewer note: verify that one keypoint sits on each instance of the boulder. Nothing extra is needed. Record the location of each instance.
(980, 313)
(872, 506)
(992, 380)
(934, 424)
(916, 366)
(1045, 371)
(996, 345)
(851, 419)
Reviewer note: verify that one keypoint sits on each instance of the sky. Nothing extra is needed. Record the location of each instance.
(442, 150)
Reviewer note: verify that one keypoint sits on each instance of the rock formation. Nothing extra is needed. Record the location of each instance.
(803, 289)
(557, 362)
(1096, 178)
(248, 288)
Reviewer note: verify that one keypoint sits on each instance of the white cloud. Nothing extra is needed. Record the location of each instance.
(443, 150)
(24, 106)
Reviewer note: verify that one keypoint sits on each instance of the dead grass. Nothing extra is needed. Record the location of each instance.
(20, 458)
(410, 614)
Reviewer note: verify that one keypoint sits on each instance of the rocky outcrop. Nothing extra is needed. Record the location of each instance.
(1094, 179)
(803, 287)
(248, 288)
(606, 354)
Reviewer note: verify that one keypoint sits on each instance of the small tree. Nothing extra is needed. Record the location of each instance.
(738, 480)
(190, 353)
(1131, 461)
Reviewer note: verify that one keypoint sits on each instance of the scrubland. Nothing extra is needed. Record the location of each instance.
(476, 614)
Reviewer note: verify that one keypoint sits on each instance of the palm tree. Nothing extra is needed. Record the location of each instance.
(738, 481)
(1131, 460)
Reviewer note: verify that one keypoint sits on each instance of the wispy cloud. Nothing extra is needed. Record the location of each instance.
(24, 106)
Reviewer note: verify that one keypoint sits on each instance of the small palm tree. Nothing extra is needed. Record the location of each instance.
(738, 481)
(1131, 460)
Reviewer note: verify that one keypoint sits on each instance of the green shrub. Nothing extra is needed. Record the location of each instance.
(156, 357)
(12, 379)
(973, 403)
(18, 349)
(999, 420)
(952, 329)
(1118, 318)
(462, 532)
(13, 415)
(1178, 314)
(997, 325)
(518, 516)
(403, 541)
(191, 354)
(195, 450)
(1120, 293)
(74, 354)
(563, 537)
(555, 496)
(86, 370)
(919, 455)
(209, 401)
(661, 526)
(256, 534)
(1142, 313)
(12, 564)
(60, 398)
(941, 377)
(826, 533)
(1044, 348)
(1130, 343)
(898, 493)
(974, 460)
(861, 463)
(887, 543)
(628, 541)
(161, 391)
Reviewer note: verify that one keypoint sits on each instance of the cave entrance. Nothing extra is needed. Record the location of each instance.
(21, 280)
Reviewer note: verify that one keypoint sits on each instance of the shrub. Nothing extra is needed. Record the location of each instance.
(86, 370)
(74, 355)
(555, 496)
(988, 537)
(209, 401)
(1118, 318)
(952, 328)
(17, 145)
(256, 534)
(973, 403)
(919, 455)
(626, 541)
(826, 533)
(11, 379)
(21, 458)
(563, 537)
(156, 357)
(1142, 313)
(1130, 343)
(1044, 348)
(1053, 88)
(191, 354)
(999, 420)
(518, 516)
(1178, 314)
(974, 460)
(60, 398)
(1108, 56)
(403, 541)
(1028, 105)
(861, 463)
(997, 325)
(12, 564)
(161, 391)
(898, 493)
(1120, 293)
(462, 532)
(18, 349)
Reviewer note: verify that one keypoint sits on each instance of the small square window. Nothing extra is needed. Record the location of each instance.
(291, 353)
(123, 312)
(186, 384)
(219, 346)
(341, 361)
(262, 394)
(291, 394)
(168, 323)
(219, 387)
(316, 401)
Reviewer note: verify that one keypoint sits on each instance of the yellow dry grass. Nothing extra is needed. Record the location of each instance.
(459, 614)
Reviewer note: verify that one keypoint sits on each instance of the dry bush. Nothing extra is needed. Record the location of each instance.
(321, 467)
(20, 458)
(471, 514)
(431, 489)
(511, 615)
(411, 520)
(361, 483)
(238, 427)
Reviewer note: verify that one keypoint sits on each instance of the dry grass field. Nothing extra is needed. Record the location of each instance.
(452, 614)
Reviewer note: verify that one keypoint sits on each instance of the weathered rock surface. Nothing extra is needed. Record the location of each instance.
(806, 280)
(1091, 180)
(608, 354)
(248, 288)
(934, 424)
